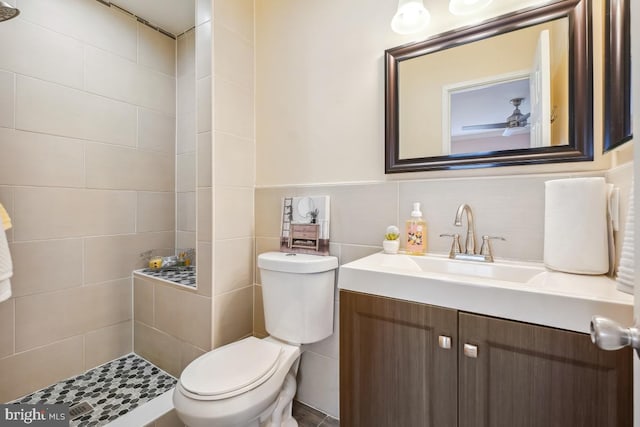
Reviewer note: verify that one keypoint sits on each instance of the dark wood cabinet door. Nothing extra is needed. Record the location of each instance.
(534, 376)
(393, 373)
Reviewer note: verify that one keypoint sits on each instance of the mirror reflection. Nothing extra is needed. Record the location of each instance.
(507, 92)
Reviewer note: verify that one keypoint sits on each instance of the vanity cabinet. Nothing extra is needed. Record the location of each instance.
(394, 372)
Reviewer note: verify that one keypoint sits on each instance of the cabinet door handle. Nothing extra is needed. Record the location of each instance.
(470, 351)
(444, 342)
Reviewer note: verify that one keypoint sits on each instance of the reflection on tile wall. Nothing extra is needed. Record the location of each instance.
(86, 142)
(511, 206)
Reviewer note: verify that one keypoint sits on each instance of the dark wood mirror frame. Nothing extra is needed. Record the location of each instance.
(617, 74)
(580, 90)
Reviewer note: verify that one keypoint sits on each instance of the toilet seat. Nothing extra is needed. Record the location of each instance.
(232, 369)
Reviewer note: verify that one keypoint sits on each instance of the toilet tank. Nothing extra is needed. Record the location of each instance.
(298, 295)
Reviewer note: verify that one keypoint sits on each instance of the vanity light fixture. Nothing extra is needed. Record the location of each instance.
(467, 7)
(411, 17)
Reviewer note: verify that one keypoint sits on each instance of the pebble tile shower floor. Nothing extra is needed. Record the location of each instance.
(112, 389)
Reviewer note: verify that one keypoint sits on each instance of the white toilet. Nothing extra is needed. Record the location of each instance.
(251, 382)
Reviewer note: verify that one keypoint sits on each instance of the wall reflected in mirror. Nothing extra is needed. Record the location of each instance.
(507, 92)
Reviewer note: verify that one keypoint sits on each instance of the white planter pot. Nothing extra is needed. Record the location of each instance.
(391, 246)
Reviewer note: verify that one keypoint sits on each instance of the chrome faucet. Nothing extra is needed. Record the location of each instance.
(469, 253)
(470, 243)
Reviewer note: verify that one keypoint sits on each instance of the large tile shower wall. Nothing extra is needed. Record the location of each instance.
(512, 207)
(86, 172)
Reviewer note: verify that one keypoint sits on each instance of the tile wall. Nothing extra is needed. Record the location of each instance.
(231, 78)
(87, 139)
(512, 207)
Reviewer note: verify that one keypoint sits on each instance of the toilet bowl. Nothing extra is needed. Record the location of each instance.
(236, 384)
(251, 382)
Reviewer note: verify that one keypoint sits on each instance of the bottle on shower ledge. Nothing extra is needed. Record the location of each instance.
(416, 243)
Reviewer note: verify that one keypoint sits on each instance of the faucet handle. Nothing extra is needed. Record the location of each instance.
(455, 244)
(485, 249)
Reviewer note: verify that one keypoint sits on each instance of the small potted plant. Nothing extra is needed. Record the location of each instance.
(391, 242)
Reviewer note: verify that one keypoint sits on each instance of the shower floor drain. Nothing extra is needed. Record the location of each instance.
(79, 410)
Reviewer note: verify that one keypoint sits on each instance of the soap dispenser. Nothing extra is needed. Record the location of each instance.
(416, 232)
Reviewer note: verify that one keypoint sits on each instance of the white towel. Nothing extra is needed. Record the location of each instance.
(6, 267)
(575, 225)
(625, 275)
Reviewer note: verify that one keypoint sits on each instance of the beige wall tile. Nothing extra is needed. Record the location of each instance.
(350, 253)
(49, 108)
(233, 316)
(498, 206)
(186, 172)
(186, 211)
(115, 77)
(234, 57)
(185, 239)
(188, 354)
(186, 134)
(45, 318)
(38, 159)
(36, 51)
(49, 213)
(234, 161)
(264, 244)
(156, 212)
(143, 300)
(205, 215)
(157, 347)
(7, 95)
(155, 50)
(186, 55)
(203, 104)
(319, 383)
(203, 50)
(233, 105)
(237, 15)
(259, 328)
(233, 212)
(156, 131)
(29, 371)
(269, 210)
(6, 327)
(45, 266)
(102, 27)
(205, 160)
(183, 314)
(234, 259)
(204, 270)
(111, 167)
(115, 257)
(170, 419)
(103, 345)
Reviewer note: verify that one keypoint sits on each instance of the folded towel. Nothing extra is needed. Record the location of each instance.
(4, 218)
(626, 268)
(6, 267)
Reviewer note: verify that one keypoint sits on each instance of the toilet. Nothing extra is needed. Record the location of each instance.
(251, 382)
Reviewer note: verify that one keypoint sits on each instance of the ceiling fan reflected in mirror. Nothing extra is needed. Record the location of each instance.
(515, 120)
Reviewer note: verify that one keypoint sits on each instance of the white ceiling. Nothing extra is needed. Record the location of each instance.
(174, 16)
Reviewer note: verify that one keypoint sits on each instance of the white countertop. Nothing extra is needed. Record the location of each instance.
(549, 298)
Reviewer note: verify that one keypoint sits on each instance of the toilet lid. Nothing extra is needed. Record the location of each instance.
(231, 370)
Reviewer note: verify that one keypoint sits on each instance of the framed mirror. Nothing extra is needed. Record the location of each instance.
(512, 90)
(617, 74)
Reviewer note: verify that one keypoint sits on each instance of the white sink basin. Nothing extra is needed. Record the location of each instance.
(521, 291)
(499, 270)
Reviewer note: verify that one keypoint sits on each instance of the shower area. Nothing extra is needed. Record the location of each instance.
(121, 132)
